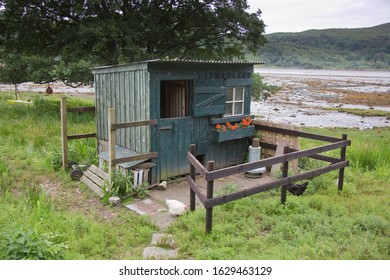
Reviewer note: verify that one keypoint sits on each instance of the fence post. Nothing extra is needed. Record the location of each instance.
(193, 176)
(64, 133)
(343, 152)
(111, 140)
(210, 190)
(283, 195)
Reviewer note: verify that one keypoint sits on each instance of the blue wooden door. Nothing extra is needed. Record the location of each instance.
(175, 137)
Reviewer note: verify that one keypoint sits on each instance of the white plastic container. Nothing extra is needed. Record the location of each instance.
(254, 155)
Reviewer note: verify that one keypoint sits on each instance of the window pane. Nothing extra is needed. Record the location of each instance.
(238, 106)
(239, 94)
(229, 109)
(229, 94)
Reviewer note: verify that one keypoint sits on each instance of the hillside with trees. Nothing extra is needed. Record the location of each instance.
(361, 48)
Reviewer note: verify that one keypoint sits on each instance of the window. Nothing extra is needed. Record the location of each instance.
(234, 101)
(174, 99)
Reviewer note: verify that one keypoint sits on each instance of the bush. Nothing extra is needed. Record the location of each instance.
(29, 244)
(261, 90)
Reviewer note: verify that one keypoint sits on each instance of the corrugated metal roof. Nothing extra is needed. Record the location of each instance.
(203, 61)
(179, 60)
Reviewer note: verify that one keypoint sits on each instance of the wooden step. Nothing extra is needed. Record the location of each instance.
(95, 179)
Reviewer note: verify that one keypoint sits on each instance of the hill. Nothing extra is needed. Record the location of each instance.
(360, 48)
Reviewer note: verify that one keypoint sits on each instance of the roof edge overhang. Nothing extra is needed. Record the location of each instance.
(143, 64)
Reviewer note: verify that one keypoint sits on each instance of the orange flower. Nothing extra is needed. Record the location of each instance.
(218, 126)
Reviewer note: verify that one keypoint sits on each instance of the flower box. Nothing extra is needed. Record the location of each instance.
(221, 136)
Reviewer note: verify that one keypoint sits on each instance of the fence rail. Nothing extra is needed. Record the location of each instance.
(289, 154)
(113, 126)
(64, 128)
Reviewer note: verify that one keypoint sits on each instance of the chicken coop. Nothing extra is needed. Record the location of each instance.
(170, 104)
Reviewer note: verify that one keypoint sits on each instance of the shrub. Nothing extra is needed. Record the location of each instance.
(261, 90)
(29, 244)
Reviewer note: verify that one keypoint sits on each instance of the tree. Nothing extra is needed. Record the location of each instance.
(74, 35)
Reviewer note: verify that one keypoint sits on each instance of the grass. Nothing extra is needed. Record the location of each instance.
(45, 215)
(362, 112)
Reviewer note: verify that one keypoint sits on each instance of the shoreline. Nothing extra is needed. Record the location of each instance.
(312, 99)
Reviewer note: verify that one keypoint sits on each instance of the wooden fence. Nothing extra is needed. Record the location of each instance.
(277, 140)
(289, 154)
(113, 126)
(64, 128)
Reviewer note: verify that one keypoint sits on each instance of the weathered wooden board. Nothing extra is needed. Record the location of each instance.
(95, 179)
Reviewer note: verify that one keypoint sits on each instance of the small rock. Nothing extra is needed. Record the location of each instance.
(114, 201)
(158, 253)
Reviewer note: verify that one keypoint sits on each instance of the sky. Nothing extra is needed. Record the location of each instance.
(301, 15)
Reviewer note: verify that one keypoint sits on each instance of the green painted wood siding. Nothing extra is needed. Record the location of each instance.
(127, 92)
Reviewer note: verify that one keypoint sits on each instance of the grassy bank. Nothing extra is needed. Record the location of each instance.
(45, 215)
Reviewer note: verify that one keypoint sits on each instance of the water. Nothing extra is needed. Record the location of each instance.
(328, 73)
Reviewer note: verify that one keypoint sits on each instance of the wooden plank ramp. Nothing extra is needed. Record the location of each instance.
(95, 179)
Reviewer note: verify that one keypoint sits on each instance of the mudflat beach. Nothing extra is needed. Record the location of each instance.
(309, 97)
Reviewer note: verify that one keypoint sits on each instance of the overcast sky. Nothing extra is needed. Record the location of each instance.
(300, 15)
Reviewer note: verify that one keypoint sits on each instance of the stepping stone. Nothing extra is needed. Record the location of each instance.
(158, 253)
(146, 207)
(163, 240)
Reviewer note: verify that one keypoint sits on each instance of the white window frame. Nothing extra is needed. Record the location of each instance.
(234, 101)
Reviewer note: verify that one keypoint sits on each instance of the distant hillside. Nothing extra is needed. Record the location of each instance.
(361, 48)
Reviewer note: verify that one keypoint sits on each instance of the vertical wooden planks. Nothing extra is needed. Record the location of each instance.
(279, 139)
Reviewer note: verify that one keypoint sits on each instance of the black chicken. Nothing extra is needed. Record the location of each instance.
(297, 189)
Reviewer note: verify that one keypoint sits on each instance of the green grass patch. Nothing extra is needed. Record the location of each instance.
(362, 112)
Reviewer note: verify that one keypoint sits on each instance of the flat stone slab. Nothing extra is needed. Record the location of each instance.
(163, 240)
(146, 207)
(158, 253)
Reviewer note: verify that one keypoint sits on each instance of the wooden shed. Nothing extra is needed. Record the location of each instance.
(187, 99)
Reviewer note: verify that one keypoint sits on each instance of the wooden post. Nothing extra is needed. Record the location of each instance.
(343, 152)
(111, 141)
(193, 175)
(64, 133)
(283, 195)
(210, 191)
